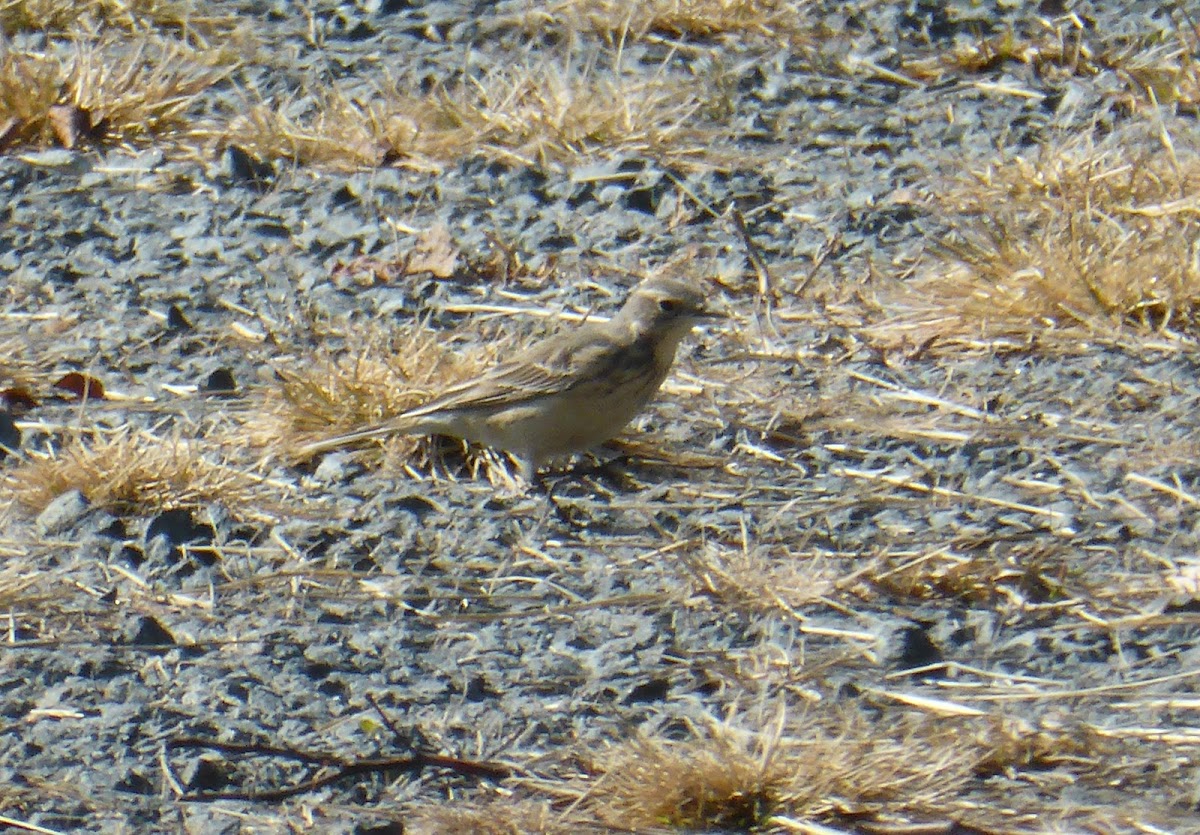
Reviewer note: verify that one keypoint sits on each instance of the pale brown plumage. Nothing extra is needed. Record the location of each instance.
(570, 392)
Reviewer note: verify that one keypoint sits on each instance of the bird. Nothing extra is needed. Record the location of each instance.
(570, 392)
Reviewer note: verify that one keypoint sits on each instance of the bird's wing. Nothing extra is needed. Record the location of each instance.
(550, 367)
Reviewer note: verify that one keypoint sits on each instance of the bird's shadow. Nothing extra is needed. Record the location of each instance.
(593, 479)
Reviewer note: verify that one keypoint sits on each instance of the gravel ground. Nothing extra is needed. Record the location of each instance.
(760, 551)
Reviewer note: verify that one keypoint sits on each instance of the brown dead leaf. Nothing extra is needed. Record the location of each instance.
(434, 253)
(10, 128)
(18, 399)
(82, 386)
(69, 122)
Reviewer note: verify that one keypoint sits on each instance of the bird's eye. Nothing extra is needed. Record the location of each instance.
(668, 305)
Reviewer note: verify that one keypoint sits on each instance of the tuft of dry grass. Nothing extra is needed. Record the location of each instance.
(1076, 235)
(1061, 49)
(756, 581)
(29, 87)
(328, 128)
(1165, 74)
(846, 767)
(808, 767)
(139, 17)
(716, 784)
(107, 93)
(381, 376)
(548, 113)
(1011, 743)
(132, 472)
(974, 579)
(778, 20)
(1153, 72)
(384, 376)
(869, 768)
(499, 817)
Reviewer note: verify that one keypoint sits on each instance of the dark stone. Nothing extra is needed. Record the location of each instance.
(176, 321)
(917, 648)
(220, 381)
(10, 435)
(654, 690)
(152, 633)
(179, 528)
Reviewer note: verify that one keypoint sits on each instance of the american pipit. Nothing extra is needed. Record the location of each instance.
(574, 390)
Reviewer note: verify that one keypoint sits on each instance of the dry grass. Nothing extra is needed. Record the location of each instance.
(548, 113)
(383, 375)
(845, 766)
(779, 20)
(137, 17)
(1154, 72)
(979, 578)
(1061, 49)
(1013, 743)
(108, 92)
(882, 769)
(1164, 74)
(716, 784)
(808, 767)
(1078, 235)
(551, 111)
(18, 581)
(330, 129)
(757, 581)
(133, 473)
(29, 87)
(499, 817)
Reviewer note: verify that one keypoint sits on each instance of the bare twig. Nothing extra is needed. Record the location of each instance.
(765, 299)
(342, 768)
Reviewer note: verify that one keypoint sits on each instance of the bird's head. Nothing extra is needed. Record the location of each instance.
(667, 307)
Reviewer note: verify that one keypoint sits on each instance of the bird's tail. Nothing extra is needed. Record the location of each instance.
(399, 425)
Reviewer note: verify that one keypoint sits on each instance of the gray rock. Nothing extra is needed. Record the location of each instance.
(62, 513)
